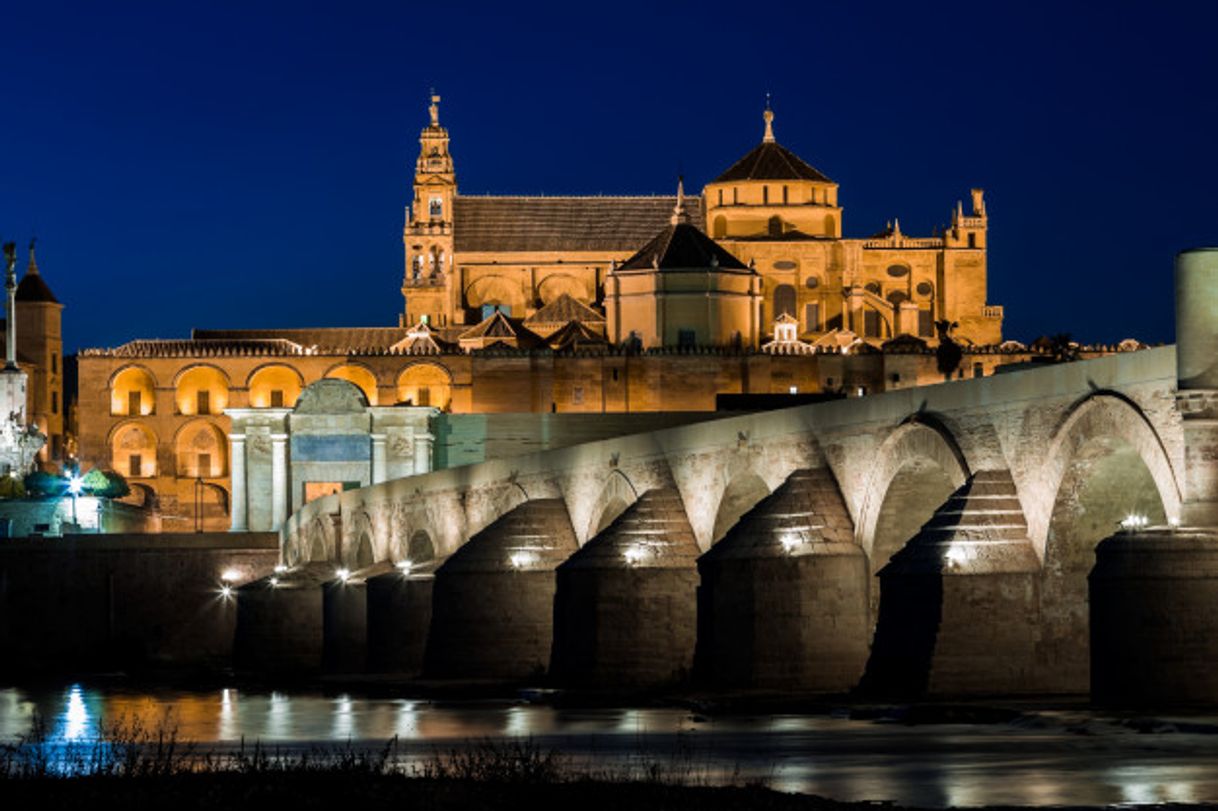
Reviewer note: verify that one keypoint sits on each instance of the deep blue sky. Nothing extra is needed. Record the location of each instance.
(224, 164)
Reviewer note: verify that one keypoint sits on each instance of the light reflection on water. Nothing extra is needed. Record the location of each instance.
(1046, 763)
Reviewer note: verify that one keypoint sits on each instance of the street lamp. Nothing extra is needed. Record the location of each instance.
(75, 487)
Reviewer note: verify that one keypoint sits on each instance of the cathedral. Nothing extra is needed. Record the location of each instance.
(647, 306)
(763, 240)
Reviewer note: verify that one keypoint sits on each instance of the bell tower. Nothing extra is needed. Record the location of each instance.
(428, 235)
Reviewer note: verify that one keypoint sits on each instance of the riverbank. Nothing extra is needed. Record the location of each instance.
(329, 791)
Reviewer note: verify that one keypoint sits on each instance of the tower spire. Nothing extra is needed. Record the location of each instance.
(768, 115)
(679, 214)
(33, 266)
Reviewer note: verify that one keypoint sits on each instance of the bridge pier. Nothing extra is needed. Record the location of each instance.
(959, 602)
(625, 610)
(280, 622)
(493, 605)
(1153, 591)
(399, 617)
(783, 597)
(345, 621)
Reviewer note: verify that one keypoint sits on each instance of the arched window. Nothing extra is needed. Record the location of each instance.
(425, 384)
(133, 451)
(784, 300)
(274, 387)
(775, 226)
(133, 393)
(200, 451)
(202, 390)
(720, 229)
(358, 375)
(765, 195)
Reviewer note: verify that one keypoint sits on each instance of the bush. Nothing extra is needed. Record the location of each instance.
(105, 483)
(11, 487)
(41, 483)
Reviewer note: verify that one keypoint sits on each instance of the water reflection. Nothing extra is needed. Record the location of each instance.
(1039, 764)
(74, 722)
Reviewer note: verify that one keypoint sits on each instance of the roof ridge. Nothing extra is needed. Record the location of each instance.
(492, 196)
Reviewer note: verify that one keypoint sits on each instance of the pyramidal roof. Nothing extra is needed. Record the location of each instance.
(564, 309)
(681, 245)
(32, 286)
(769, 160)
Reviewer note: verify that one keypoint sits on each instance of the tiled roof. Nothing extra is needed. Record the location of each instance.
(345, 339)
(770, 161)
(561, 223)
(564, 309)
(681, 246)
(574, 336)
(185, 348)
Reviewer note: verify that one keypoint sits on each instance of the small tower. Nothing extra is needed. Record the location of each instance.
(428, 235)
(39, 320)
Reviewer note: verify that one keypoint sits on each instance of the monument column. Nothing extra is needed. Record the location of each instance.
(279, 480)
(378, 458)
(1197, 382)
(236, 456)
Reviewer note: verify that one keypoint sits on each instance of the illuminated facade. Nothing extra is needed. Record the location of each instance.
(770, 210)
(569, 304)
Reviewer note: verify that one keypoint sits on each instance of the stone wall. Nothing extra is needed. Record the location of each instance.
(93, 603)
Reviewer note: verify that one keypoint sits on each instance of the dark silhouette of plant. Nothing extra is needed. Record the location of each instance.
(948, 354)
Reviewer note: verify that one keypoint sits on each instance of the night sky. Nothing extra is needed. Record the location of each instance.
(246, 164)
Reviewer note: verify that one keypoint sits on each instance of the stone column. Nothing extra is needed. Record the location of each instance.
(422, 452)
(236, 456)
(854, 300)
(279, 480)
(1197, 382)
(907, 318)
(378, 458)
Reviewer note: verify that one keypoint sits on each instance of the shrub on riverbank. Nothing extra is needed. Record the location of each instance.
(133, 768)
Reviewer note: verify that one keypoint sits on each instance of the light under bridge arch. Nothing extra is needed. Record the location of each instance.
(914, 471)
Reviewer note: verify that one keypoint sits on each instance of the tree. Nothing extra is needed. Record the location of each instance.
(105, 484)
(948, 354)
(41, 483)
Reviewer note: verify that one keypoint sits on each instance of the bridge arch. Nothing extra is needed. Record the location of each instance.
(616, 495)
(1104, 463)
(741, 494)
(417, 548)
(1109, 419)
(915, 469)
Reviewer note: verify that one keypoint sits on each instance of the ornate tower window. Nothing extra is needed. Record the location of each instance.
(435, 207)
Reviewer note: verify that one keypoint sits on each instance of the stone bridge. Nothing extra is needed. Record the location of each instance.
(835, 529)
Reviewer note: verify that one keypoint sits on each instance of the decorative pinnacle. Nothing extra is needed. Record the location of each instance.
(679, 214)
(434, 109)
(33, 267)
(768, 115)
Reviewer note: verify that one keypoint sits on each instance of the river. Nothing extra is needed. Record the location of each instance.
(1040, 758)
